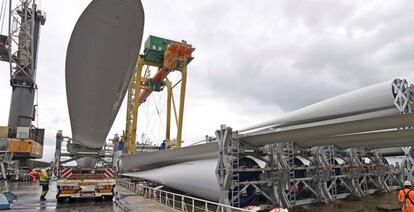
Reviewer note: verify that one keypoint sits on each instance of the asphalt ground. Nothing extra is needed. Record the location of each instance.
(28, 199)
(371, 203)
(28, 194)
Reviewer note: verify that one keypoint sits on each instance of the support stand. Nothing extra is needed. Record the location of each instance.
(324, 159)
(377, 172)
(404, 101)
(230, 169)
(355, 180)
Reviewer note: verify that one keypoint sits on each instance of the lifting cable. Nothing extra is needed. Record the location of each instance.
(153, 124)
(148, 127)
(146, 112)
(161, 96)
(3, 14)
(151, 127)
(150, 117)
(160, 109)
(37, 107)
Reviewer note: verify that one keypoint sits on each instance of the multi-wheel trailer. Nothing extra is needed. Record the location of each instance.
(76, 182)
(97, 181)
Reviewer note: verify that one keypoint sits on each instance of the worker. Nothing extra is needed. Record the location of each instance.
(163, 145)
(17, 175)
(44, 182)
(406, 197)
(33, 174)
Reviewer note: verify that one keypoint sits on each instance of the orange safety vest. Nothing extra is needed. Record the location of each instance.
(406, 197)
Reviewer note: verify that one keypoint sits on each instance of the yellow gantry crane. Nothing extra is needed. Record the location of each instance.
(167, 56)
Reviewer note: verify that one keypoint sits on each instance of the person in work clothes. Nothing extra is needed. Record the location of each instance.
(44, 182)
(406, 197)
(34, 175)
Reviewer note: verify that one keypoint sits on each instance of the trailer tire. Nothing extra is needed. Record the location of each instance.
(60, 199)
(98, 198)
(107, 198)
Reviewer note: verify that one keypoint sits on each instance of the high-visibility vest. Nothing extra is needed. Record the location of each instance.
(406, 197)
(44, 177)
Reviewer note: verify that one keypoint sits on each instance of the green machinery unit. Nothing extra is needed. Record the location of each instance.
(155, 48)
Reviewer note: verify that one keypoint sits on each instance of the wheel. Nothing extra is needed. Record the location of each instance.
(98, 198)
(107, 198)
(60, 199)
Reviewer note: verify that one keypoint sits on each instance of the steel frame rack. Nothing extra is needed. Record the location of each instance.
(363, 172)
(278, 184)
(66, 152)
(404, 101)
(325, 180)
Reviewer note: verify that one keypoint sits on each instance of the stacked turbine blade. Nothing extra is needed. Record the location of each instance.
(367, 117)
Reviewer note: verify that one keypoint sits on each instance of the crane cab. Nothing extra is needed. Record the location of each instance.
(4, 48)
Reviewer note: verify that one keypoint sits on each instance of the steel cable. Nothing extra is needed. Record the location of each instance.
(3, 14)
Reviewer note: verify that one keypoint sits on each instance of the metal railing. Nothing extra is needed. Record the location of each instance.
(176, 201)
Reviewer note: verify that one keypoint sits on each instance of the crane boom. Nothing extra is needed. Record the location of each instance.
(21, 46)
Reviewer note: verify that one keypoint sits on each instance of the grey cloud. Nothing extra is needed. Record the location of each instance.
(279, 54)
(293, 53)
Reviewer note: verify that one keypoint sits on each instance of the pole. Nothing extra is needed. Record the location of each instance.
(181, 109)
(133, 126)
(168, 127)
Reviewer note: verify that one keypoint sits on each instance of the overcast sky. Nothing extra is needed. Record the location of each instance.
(254, 60)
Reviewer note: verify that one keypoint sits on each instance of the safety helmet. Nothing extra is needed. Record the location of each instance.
(407, 183)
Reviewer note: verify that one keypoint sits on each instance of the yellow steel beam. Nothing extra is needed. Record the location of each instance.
(181, 109)
(168, 127)
(132, 108)
(129, 116)
(174, 107)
